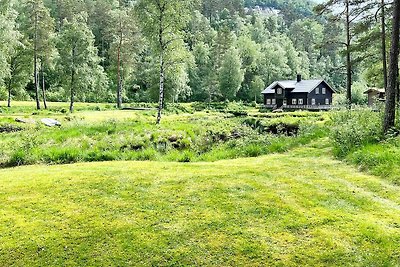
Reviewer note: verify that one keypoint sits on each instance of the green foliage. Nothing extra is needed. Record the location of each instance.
(353, 129)
(80, 74)
(231, 74)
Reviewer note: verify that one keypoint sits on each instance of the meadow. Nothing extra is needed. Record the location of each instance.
(221, 185)
(97, 132)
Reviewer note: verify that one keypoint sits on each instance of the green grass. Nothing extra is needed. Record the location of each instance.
(302, 208)
(107, 134)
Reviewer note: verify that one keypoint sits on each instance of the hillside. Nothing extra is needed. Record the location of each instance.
(255, 212)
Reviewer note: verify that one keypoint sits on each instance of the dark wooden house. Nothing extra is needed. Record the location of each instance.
(299, 94)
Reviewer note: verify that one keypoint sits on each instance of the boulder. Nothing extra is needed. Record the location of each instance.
(50, 122)
(27, 121)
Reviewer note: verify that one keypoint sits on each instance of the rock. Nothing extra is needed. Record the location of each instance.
(50, 122)
(27, 121)
(277, 111)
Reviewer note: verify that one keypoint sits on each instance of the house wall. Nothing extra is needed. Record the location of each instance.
(297, 96)
(320, 98)
(268, 96)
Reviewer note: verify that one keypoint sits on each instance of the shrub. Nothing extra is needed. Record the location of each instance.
(352, 129)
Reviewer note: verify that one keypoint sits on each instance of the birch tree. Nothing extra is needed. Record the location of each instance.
(163, 24)
(78, 62)
(39, 28)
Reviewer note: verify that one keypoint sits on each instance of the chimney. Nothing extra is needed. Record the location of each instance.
(298, 78)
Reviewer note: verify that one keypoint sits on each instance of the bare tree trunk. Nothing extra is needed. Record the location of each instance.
(390, 109)
(162, 67)
(35, 59)
(348, 55)
(71, 106)
(119, 89)
(161, 99)
(9, 94)
(384, 53)
(43, 88)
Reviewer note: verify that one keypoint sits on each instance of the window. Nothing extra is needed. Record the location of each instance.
(317, 91)
(284, 102)
(268, 101)
(324, 91)
(273, 101)
(327, 102)
(301, 101)
(294, 101)
(279, 91)
(313, 101)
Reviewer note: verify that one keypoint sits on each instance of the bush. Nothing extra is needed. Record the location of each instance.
(355, 128)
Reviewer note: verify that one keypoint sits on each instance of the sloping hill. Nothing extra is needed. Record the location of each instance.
(294, 209)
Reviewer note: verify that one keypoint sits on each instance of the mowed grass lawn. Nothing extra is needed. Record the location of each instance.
(302, 208)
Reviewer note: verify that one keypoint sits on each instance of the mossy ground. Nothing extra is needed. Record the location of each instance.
(300, 208)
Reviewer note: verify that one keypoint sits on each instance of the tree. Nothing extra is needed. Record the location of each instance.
(20, 63)
(9, 36)
(230, 74)
(390, 109)
(125, 44)
(349, 11)
(39, 27)
(257, 85)
(78, 62)
(163, 23)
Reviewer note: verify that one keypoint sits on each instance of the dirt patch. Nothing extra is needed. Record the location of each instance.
(10, 128)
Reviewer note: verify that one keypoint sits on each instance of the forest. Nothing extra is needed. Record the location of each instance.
(107, 51)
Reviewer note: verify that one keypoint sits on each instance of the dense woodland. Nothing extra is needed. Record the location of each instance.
(126, 51)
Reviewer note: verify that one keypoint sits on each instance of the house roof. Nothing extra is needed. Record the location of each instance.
(304, 86)
(374, 89)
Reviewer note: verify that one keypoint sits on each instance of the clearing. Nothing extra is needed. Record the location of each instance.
(293, 209)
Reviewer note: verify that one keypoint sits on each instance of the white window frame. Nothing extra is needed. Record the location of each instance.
(313, 102)
(273, 101)
(317, 91)
(279, 91)
(294, 101)
(327, 101)
(284, 102)
(268, 101)
(301, 102)
(324, 91)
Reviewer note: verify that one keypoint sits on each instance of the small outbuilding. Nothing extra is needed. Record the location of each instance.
(375, 95)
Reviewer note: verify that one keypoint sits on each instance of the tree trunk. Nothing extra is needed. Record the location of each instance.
(9, 94)
(35, 59)
(161, 99)
(71, 106)
(390, 109)
(44, 88)
(384, 53)
(348, 55)
(119, 89)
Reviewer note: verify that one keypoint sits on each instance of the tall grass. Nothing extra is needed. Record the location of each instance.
(193, 138)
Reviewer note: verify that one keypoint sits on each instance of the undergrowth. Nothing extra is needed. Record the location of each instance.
(187, 139)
